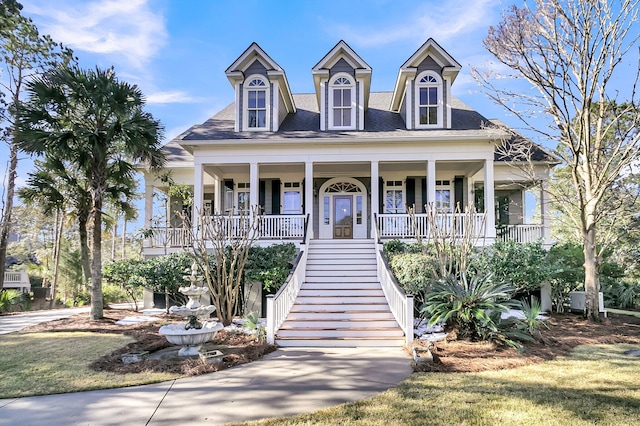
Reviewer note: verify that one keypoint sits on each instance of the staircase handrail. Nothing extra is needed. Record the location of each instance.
(400, 303)
(280, 304)
(304, 235)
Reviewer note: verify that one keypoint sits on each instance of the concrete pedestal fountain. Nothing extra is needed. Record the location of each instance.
(192, 334)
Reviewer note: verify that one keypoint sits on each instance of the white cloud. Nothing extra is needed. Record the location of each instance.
(170, 97)
(441, 21)
(130, 28)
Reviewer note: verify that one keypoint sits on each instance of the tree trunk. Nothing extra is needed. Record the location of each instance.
(591, 276)
(84, 249)
(113, 240)
(56, 258)
(5, 226)
(124, 237)
(97, 303)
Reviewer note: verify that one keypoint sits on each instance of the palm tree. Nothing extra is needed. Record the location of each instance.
(95, 123)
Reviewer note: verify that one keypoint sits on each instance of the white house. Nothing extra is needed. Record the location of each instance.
(337, 168)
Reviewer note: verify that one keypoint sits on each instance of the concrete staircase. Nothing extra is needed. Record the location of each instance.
(341, 302)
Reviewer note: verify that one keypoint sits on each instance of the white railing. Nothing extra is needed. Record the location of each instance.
(400, 304)
(521, 233)
(400, 225)
(272, 227)
(282, 226)
(170, 237)
(280, 304)
(17, 279)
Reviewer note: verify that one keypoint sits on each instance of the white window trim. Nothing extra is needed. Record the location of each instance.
(402, 188)
(354, 105)
(290, 187)
(418, 86)
(245, 103)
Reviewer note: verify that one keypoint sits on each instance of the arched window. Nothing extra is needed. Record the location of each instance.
(256, 101)
(428, 100)
(342, 111)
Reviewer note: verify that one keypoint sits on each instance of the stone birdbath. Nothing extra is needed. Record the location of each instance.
(196, 331)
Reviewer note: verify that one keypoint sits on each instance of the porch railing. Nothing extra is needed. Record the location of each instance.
(521, 233)
(272, 227)
(400, 303)
(280, 304)
(17, 280)
(400, 225)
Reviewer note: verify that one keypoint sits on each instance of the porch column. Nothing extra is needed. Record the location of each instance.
(148, 206)
(198, 190)
(217, 195)
(431, 184)
(254, 186)
(375, 194)
(489, 199)
(544, 212)
(308, 195)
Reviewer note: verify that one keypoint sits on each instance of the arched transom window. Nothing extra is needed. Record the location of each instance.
(429, 100)
(343, 187)
(256, 104)
(341, 102)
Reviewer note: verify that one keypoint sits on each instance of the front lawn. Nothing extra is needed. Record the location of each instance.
(596, 384)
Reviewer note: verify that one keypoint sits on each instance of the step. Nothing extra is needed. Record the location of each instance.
(344, 292)
(341, 273)
(375, 307)
(342, 261)
(371, 285)
(340, 267)
(339, 300)
(339, 280)
(335, 324)
(340, 343)
(344, 315)
(318, 333)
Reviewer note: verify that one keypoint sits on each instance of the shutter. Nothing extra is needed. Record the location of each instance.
(381, 195)
(423, 182)
(262, 194)
(458, 192)
(411, 192)
(275, 196)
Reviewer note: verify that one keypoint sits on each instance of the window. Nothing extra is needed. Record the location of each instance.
(243, 197)
(256, 101)
(341, 101)
(443, 196)
(429, 100)
(292, 198)
(394, 202)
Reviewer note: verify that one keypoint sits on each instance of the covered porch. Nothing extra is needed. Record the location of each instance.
(352, 200)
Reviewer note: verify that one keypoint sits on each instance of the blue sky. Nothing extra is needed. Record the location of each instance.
(176, 51)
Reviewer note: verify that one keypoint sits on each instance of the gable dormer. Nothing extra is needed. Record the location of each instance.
(342, 81)
(422, 94)
(263, 96)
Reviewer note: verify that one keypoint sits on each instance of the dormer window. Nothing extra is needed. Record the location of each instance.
(256, 100)
(428, 100)
(342, 102)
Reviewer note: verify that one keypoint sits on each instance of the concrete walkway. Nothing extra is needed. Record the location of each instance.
(286, 382)
(11, 323)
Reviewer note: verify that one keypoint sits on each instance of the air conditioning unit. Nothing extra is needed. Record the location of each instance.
(577, 298)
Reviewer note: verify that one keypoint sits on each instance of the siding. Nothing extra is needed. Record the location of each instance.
(256, 68)
(341, 66)
(282, 110)
(403, 108)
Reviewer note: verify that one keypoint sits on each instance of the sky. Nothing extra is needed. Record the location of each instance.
(176, 51)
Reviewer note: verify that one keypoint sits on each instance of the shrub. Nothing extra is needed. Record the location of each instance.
(468, 304)
(523, 266)
(415, 273)
(621, 293)
(113, 294)
(270, 265)
(9, 300)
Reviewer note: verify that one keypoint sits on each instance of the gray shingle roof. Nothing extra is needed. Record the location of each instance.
(305, 123)
(379, 123)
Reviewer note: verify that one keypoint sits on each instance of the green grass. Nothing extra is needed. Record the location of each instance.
(48, 363)
(598, 384)
(623, 312)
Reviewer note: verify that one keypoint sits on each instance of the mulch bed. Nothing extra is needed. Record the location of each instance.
(566, 331)
(241, 348)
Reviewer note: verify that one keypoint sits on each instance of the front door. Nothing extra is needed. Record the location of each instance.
(343, 217)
